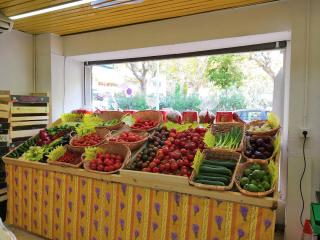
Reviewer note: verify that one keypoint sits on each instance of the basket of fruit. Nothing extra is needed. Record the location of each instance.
(228, 136)
(133, 140)
(255, 180)
(258, 149)
(261, 128)
(65, 156)
(112, 120)
(146, 120)
(89, 140)
(215, 170)
(106, 159)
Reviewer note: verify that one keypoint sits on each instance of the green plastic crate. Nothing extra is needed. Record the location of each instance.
(315, 217)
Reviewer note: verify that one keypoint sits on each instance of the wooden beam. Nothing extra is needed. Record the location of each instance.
(24, 133)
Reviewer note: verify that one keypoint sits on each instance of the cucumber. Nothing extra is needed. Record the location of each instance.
(216, 183)
(227, 164)
(220, 170)
(214, 175)
(213, 178)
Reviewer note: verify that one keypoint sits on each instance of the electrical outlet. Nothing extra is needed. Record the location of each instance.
(305, 129)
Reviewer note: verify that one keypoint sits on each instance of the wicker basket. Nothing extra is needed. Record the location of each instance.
(255, 160)
(63, 164)
(225, 127)
(131, 145)
(148, 115)
(111, 148)
(271, 132)
(103, 133)
(217, 155)
(245, 192)
(110, 115)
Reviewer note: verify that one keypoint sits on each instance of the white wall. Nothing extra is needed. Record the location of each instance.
(286, 15)
(16, 62)
(74, 83)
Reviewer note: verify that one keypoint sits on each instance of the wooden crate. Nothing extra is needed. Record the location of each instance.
(22, 116)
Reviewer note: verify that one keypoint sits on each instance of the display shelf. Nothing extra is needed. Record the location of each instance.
(154, 181)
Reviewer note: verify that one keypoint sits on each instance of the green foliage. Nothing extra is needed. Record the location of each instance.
(224, 72)
(180, 100)
(231, 102)
(136, 102)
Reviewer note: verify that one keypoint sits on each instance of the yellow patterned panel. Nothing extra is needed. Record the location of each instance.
(37, 181)
(10, 193)
(47, 201)
(17, 200)
(61, 206)
(71, 207)
(84, 215)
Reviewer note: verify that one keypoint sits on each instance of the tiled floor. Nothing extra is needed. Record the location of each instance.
(22, 235)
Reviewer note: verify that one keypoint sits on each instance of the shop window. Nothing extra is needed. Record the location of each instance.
(242, 82)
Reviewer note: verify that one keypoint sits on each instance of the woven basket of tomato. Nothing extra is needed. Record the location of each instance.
(65, 156)
(108, 158)
(131, 139)
(146, 120)
(89, 140)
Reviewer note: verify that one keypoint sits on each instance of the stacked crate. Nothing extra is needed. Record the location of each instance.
(20, 118)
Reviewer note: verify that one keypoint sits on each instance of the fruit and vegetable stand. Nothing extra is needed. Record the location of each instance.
(59, 202)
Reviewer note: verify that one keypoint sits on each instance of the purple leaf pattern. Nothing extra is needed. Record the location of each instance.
(215, 238)
(106, 213)
(58, 212)
(177, 198)
(69, 220)
(95, 223)
(174, 236)
(195, 229)
(59, 182)
(46, 218)
(155, 226)
(244, 212)
(82, 230)
(122, 206)
(136, 233)
(57, 196)
(108, 196)
(240, 234)
(45, 203)
(69, 235)
(196, 209)
(121, 224)
(98, 192)
(16, 180)
(83, 199)
(83, 182)
(219, 220)
(139, 197)
(46, 173)
(106, 230)
(81, 214)
(139, 216)
(174, 218)
(26, 174)
(70, 190)
(35, 195)
(70, 205)
(124, 188)
(267, 224)
(96, 207)
(56, 226)
(157, 207)
(46, 187)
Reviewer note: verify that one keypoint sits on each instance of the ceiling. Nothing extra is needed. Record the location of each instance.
(84, 18)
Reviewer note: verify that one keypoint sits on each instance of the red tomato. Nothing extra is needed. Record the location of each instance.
(174, 166)
(155, 170)
(180, 163)
(100, 168)
(156, 161)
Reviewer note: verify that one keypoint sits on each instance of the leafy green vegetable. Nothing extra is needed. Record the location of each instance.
(198, 158)
(71, 117)
(128, 120)
(91, 152)
(92, 120)
(56, 153)
(35, 153)
(230, 139)
(209, 139)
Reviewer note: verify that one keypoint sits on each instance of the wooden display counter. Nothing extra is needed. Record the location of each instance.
(65, 203)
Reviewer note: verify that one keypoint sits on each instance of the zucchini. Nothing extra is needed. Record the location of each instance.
(213, 178)
(207, 182)
(220, 170)
(227, 164)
